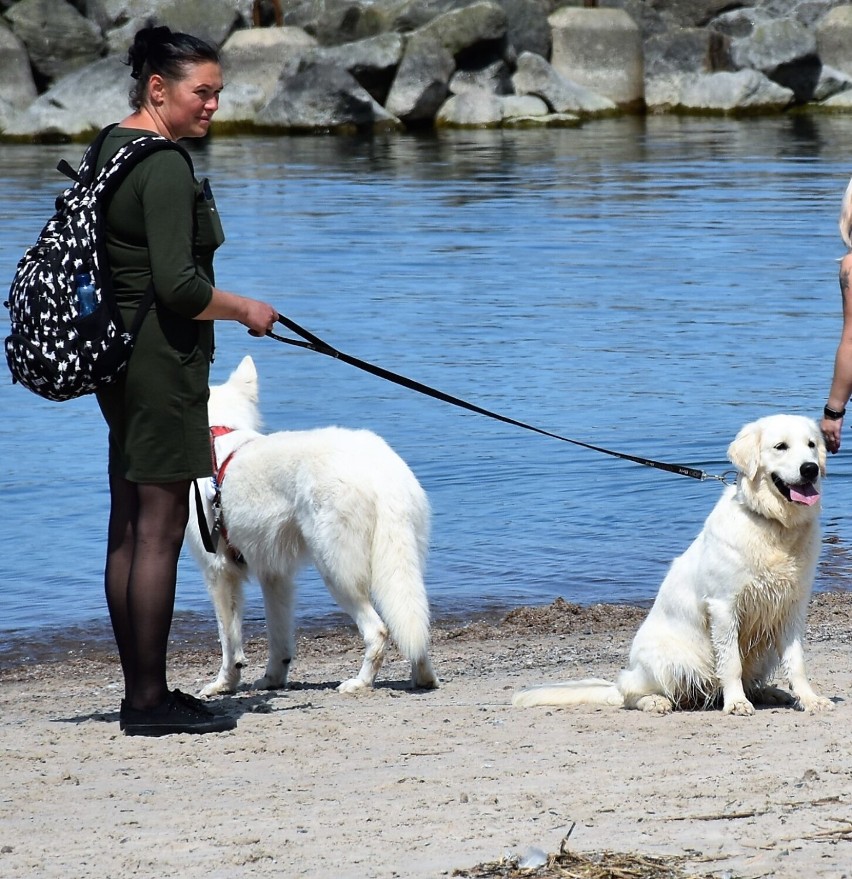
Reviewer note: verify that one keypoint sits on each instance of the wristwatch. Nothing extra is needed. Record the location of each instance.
(833, 414)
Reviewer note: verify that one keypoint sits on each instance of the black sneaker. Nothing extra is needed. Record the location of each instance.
(180, 713)
(198, 705)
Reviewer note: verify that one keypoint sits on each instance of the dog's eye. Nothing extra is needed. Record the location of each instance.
(811, 445)
(781, 447)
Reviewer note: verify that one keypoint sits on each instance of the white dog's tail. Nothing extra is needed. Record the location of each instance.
(593, 691)
(400, 545)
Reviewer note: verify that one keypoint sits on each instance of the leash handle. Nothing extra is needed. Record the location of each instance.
(314, 343)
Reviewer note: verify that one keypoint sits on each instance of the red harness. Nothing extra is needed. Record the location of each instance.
(218, 478)
(219, 472)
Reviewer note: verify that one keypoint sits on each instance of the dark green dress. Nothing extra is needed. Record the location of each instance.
(162, 225)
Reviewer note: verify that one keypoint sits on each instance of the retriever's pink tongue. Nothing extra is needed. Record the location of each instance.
(804, 494)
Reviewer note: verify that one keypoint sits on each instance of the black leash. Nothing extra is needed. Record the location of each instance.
(314, 343)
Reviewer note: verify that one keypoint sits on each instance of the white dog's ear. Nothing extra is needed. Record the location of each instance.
(245, 377)
(744, 451)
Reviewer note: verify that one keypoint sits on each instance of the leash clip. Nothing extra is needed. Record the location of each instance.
(729, 477)
(216, 505)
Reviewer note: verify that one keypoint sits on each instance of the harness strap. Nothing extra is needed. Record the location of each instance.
(209, 538)
(219, 472)
(203, 528)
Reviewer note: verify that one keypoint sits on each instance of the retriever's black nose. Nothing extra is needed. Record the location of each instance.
(809, 471)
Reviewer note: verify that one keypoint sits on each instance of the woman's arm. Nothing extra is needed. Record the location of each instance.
(258, 316)
(841, 383)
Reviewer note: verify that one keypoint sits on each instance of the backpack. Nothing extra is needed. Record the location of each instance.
(54, 349)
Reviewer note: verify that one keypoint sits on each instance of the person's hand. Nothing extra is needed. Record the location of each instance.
(260, 317)
(831, 429)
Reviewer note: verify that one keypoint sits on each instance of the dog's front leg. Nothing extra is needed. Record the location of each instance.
(793, 663)
(724, 632)
(224, 581)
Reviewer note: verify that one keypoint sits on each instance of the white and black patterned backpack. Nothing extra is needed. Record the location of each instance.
(53, 349)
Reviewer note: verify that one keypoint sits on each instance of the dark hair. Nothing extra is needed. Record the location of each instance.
(164, 52)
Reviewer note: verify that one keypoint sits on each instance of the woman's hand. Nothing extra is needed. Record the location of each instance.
(260, 317)
(831, 428)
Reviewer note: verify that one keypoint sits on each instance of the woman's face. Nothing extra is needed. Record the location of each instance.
(188, 104)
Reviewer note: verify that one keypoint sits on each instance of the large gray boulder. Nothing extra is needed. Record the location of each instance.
(834, 39)
(527, 27)
(407, 16)
(253, 61)
(483, 109)
(687, 50)
(333, 22)
(535, 76)
(323, 97)
(17, 87)
(77, 105)
(7, 114)
(783, 50)
(495, 78)
(744, 92)
(471, 38)
(600, 49)
(57, 37)
(523, 107)
(372, 61)
(691, 13)
(475, 108)
(211, 20)
(646, 16)
(422, 81)
(469, 30)
(739, 22)
(831, 82)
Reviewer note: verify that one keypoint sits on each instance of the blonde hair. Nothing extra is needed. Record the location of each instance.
(845, 221)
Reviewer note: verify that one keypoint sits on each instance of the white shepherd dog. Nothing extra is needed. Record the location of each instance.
(342, 499)
(733, 606)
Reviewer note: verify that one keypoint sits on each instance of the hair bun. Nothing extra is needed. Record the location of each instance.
(145, 43)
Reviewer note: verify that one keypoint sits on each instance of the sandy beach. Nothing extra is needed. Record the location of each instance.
(396, 783)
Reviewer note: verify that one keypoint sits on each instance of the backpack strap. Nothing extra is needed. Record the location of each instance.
(104, 184)
(126, 158)
(86, 172)
(110, 177)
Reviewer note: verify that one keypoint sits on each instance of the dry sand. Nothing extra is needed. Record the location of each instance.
(395, 783)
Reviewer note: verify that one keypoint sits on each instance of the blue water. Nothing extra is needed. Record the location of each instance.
(644, 285)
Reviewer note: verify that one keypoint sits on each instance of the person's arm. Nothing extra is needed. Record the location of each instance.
(841, 383)
(258, 316)
(168, 198)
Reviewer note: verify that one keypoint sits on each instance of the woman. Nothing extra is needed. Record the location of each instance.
(162, 228)
(841, 383)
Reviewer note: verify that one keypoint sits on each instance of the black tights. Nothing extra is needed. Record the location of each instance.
(146, 529)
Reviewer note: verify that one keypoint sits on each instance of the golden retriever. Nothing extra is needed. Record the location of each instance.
(732, 608)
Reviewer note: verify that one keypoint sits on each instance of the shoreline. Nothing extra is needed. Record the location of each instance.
(196, 631)
(396, 782)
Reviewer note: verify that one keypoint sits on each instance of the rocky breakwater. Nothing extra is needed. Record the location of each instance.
(366, 65)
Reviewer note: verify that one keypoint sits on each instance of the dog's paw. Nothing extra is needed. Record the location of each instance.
(654, 704)
(353, 685)
(218, 688)
(267, 682)
(740, 708)
(816, 704)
